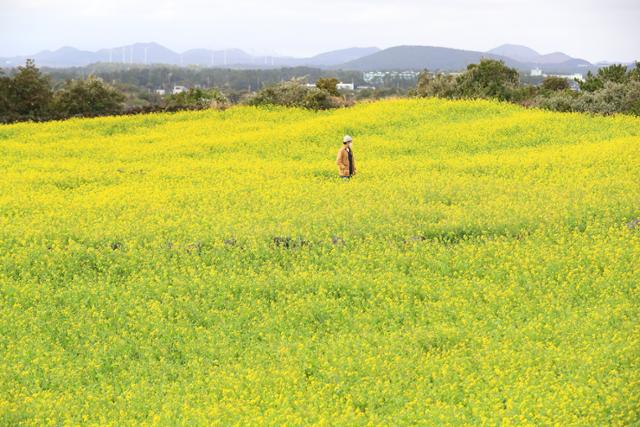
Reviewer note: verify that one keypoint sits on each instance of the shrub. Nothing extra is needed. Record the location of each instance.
(554, 84)
(91, 97)
(294, 94)
(439, 85)
(328, 84)
(488, 79)
(196, 98)
(556, 101)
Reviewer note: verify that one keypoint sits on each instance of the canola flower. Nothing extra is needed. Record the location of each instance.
(209, 267)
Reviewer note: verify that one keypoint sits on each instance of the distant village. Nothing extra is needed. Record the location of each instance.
(373, 78)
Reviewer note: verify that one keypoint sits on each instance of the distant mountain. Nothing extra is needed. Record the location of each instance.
(138, 53)
(340, 56)
(516, 52)
(356, 58)
(423, 57)
(154, 53)
(527, 55)
(63, 57)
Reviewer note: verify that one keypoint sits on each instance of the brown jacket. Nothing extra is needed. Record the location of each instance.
(343, 161)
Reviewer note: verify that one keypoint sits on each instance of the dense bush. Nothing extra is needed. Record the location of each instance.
(613, 89)
(90, 97)
(25, 96)
(330, 84)
(439, 86)
(197, 98)
(488, 79)
(554, 83)
(295, 94)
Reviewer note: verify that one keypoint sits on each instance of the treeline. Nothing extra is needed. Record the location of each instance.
(613, 89)
(30, 95)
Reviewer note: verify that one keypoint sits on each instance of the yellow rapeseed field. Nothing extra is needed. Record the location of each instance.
(205, 268)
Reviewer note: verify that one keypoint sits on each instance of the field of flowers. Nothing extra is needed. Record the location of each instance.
(210, 268)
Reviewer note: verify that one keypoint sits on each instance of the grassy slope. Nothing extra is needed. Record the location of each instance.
(484, 268)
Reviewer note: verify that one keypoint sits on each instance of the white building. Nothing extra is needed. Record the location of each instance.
(380, 76)
(570, 77)
(161, 92)
(178, 89)
(536, 72)
(345, 86)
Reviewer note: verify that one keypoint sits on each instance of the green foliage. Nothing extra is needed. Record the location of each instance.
(488, 79)
(557, 101)
(5, 87)
(91, 97)
(610, 99)
(616, 73)
(295, 94)
(196, 98)
(29, 92)
(554, 84)
(439, 85)
(328, 84)
(612, 90)
(634, 73)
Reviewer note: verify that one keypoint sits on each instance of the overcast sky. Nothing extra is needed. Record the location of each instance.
(590, 29)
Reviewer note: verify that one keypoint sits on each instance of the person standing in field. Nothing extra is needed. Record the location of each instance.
(345, 161)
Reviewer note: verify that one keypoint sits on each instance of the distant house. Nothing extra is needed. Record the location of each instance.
(161, 92)
(536, 72)
(345, 86)
(380, 76)
(178, 89)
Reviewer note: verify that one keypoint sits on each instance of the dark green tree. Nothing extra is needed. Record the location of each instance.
(634, 73)
(90, 97)
(329, 84)
(438, 85)
(196, 98)
(554, 84)
(5, 85)
(616, 73)
(488, 79)
(30, 92)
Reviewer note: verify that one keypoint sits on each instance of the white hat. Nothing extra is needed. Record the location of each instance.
(346, 139)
